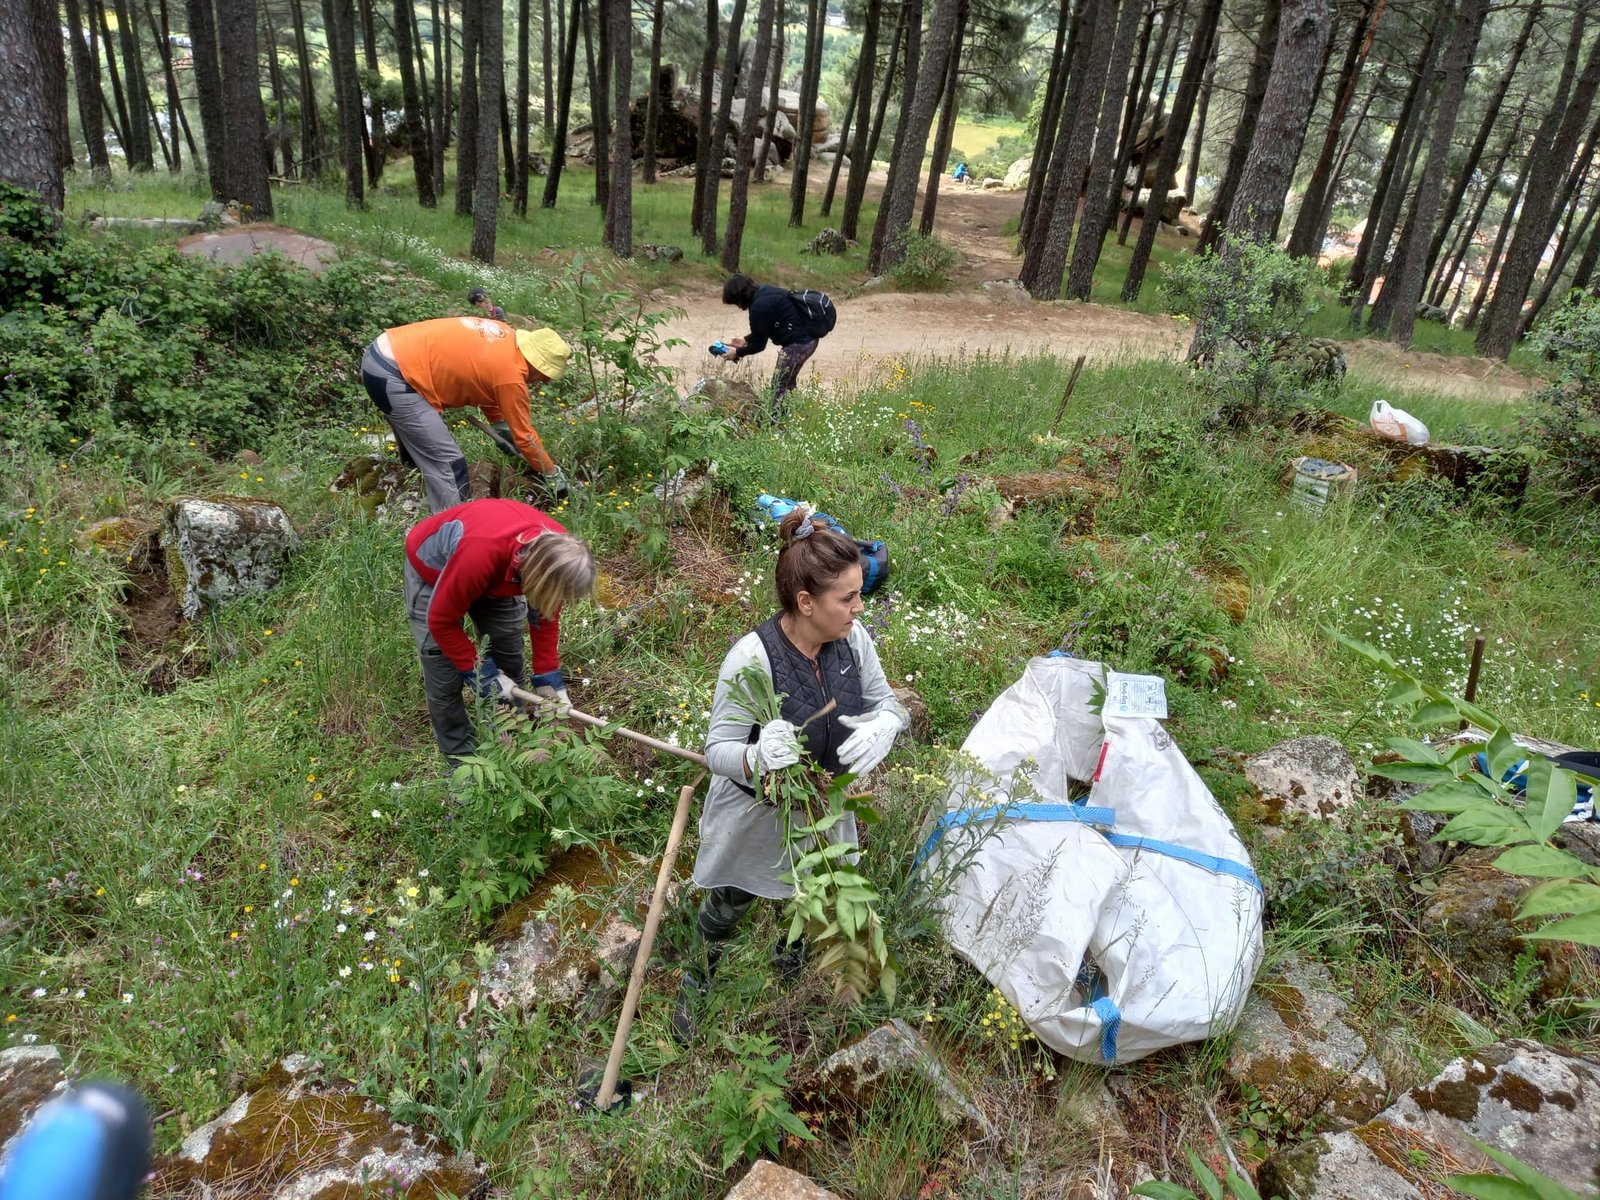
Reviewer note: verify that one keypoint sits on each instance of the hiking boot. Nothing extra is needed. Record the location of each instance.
(789, 958)
(691, 992)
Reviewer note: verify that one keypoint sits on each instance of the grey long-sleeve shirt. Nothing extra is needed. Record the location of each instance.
(741, 838)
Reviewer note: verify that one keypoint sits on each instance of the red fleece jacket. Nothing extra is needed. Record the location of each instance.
(469, 552)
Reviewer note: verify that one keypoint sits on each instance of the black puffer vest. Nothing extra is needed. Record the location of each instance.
(803, 693)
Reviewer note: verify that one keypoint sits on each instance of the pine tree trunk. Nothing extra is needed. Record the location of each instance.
(569, 71)
(739, 186)
(705, 123)
(378, 140)
(1198, 142)
(900, 189)
(653, 99)
(278, 127)
(1155, 120)
(1255, 93)
(1306, 238)
(1404, 287)
(943, 139)
(1172, 144)
(1055, 87)
(508, 152)
(244, 124)
(417, 138)
(471, 116)
(338, 21)
(149, 100)
(33, 100)
(619, 209)
(310, 125)
(1564, 252)
(1503, 322)
(1097, 196)
(1135, 98)
(519, 189)
(844, 140)
(881, 116)
(1491, 266)
(208, 82)
(810, 84)
(86, 80)
(176, 117)
(855, 188)
(597, 45)
(120, 122)
(441, 91)
(486, 201)
(709, 243)
(141, 151)
(774, 73)
(547, 58)
(1046, 260)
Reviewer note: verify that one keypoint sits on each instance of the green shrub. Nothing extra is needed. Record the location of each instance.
(926, 266)
(1568, 423)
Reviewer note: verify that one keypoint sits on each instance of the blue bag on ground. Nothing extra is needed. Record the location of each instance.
(874, 554)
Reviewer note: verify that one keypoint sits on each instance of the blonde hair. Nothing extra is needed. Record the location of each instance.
(555, 568)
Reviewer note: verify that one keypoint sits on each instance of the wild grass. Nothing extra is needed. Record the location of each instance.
(195, 869)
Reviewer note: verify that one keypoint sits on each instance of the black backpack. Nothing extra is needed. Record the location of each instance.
(818, 312)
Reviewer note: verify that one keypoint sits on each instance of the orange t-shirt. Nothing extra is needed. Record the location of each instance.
(453, 362)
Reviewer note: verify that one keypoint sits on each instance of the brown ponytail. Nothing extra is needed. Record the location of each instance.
(810, 558)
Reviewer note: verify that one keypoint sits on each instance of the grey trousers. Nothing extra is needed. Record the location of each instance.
(502, 620)
(419, 430)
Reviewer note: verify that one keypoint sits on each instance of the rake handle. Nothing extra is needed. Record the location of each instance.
(634, 735)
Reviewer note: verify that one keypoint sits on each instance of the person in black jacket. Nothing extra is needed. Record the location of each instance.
(774, 317)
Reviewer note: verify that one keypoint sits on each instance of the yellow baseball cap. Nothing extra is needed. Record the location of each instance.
(545, 351)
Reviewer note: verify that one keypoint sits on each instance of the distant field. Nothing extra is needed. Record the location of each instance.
(978, 137)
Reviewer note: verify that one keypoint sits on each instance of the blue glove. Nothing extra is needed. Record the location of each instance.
(488, 681)
(550, 679)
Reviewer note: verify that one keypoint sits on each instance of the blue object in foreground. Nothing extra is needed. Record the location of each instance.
(92, 1144)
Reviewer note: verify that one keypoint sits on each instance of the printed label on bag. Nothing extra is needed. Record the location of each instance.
(1136, 695)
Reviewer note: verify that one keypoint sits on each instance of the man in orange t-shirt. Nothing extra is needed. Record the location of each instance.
(414, 372)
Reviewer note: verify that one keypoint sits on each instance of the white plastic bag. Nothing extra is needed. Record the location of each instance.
(1116, 925)
(1397, 424)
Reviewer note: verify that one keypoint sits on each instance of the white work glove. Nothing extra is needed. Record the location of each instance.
(776, 748)
(553, 700)
(871, 742)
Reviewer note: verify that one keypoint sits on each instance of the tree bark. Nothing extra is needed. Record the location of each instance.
(861, 150)
(945, 136)
(244, 124)
(208, 82)
(486, 200)
(1564, 252)
(1198, 142)
(1310, 226)
(705, 123)
(1491, 266)
(1404, 286)
(810, 84)
(1285, 111)
(774, 74)
(547, 56)
(519, 189)
(176, 117)
(844, 140)
(1044, 140)
(1503, 322)
(508, 153)
(1046, 259)
(377, 142)
(1172, 144)
(596, 45)
(558, 147)
(441, 92)
(140, 149)
(719, 132)
(1451, 267)
(120, 121)
(470, 116)
(739, 186)
(900, 190)
(417, 133)
(1155, 120)
(653, 97)
(1255, 93)
(619, 209)
(1097, 196)
(33, 100)
(86, 78)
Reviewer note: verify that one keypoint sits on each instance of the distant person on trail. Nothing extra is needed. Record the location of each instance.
(414, 372)
(793, 321)
(814, 650)
(480, 299)
(960, 174)
(505, 564)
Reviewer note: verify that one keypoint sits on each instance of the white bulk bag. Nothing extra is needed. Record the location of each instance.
(1117, 925)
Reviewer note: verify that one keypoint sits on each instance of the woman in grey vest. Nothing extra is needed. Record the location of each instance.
(814, 650)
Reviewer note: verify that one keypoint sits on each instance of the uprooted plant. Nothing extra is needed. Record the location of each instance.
(834, 907)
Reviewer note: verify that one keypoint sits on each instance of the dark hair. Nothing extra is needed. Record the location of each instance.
(810, 561)
(477, 296)
(740, 290)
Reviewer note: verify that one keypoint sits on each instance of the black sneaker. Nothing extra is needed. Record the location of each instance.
(691, 991)
(790, 959)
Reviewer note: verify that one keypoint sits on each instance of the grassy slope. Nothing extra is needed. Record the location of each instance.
(184, 860)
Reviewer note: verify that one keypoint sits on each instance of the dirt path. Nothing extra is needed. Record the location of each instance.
(878, 327)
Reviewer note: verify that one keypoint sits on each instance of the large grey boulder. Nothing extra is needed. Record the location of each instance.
(295, 1136)
(1311, 776)
(1017, 174)
(768, 1181)
(225, 547)
(1519, 1096)
(1295, 1048)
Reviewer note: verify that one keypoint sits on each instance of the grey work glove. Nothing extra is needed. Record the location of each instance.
(776, 748)
(871, 742)
(554, 701)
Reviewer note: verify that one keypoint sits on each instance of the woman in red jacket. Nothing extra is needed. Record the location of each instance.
(502, 563)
